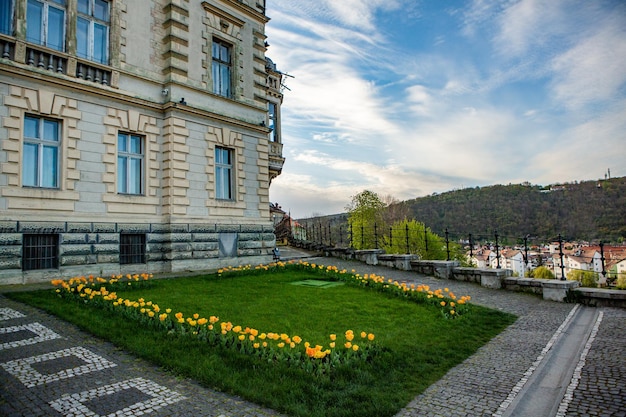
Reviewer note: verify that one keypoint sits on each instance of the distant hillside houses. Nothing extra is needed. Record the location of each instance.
(575, 257)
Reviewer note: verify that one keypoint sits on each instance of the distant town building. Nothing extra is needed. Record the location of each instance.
(135, 136)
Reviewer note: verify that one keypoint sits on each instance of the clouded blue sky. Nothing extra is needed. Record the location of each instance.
(407, 97)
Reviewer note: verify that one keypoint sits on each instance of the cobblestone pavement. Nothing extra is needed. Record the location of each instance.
(50, 368)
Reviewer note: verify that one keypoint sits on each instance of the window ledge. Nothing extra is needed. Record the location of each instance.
(40, 193)
(129, 198)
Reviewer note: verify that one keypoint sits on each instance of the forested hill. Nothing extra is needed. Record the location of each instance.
(589, 210)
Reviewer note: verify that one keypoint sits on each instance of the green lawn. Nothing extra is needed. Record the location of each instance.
(417, 344)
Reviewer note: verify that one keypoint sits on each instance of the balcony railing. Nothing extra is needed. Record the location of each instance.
(47, 61)
(56, 62)
(8, 48)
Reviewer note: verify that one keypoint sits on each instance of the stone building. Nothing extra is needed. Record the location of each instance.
(135, 136)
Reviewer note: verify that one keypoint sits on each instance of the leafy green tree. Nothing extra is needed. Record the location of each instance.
(586, 278)
(421, 241)
(365, 213)
(542, 272)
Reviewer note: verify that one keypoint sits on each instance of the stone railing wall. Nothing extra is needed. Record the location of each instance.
(549, 289)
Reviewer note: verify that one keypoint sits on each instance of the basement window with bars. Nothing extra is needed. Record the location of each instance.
(132, 248)
(40, 251)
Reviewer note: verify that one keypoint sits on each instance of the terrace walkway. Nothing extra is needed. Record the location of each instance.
(555, 360)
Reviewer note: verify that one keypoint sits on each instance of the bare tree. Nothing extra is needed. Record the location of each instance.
(394, 211)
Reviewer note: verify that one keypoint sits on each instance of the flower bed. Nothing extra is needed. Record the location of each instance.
(292, 350)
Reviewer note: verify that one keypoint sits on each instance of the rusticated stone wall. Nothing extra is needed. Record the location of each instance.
(94, 248)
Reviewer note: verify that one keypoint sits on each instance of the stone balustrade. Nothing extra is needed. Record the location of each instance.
(549, 289)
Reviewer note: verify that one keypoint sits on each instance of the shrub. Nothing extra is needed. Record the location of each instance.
(542, 272)
(586, 278)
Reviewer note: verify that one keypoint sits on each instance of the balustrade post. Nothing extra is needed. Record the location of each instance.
(406, 236)
(525, 253)
(561, 256)
(375, 237)
(351, 237)
(362, 236)
(602, 259)
(497, 252)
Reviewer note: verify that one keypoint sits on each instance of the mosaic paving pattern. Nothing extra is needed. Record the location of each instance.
(22, 368)
(72, 405)
(42, 334)
(8, 313)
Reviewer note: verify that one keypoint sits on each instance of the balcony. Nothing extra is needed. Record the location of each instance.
(54, 62)
(276, 159)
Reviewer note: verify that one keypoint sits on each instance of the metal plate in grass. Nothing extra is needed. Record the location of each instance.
(317, 283)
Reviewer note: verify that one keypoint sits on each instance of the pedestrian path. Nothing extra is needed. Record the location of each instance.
(50, 368)
(557, 359)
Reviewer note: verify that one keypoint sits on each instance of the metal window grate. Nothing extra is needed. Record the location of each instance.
(40, 251)
(132, 248)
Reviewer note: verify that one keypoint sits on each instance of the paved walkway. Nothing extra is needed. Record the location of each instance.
(50, 368)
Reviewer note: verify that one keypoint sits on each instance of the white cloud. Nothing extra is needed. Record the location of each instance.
(419, 99)
(358, 14)
(594, 69)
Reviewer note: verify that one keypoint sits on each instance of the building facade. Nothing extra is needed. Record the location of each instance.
(135, 136)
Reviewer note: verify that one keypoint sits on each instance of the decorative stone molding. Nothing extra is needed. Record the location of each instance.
(176, 39)
(131, 121)
(44, 103)
(175, 166)
(223, 136)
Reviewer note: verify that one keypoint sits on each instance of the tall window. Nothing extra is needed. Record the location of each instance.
(272, 116)
(6, 16)
(40, 251)
(223, 173)
(130, 157)
(40, 165)
(222, 67)
(45, 23)
(92, 30)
